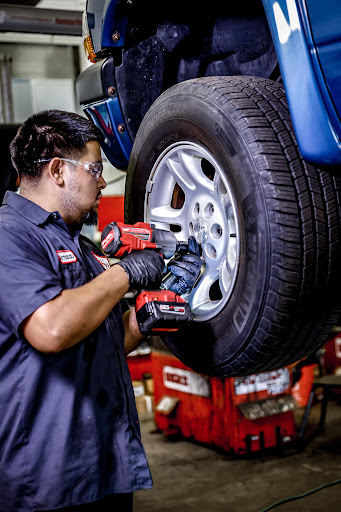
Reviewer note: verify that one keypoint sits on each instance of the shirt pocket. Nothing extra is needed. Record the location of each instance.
(73, 277)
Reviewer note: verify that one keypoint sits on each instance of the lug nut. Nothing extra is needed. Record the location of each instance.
(116, 36)
(111, 90)
(121, 128)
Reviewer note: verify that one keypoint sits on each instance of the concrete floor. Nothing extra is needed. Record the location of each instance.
(192, 478)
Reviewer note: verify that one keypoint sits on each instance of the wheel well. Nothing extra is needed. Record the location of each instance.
(180, 42)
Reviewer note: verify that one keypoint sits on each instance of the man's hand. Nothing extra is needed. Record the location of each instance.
(186, 269)
(144, 269)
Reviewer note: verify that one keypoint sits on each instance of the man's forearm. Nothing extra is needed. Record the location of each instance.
(133, 337)
(75, 313)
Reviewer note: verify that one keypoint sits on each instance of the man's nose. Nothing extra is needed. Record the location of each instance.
(101, 183)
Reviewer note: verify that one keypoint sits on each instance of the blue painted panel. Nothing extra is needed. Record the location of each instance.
(316, 124)
(325, 22)
(330, 58)
(105, 17)
(106, 114)
(115, 20)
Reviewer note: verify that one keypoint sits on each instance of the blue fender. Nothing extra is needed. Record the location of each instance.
(316, 123)
(115, 20)
(107, 18)
(117, 145)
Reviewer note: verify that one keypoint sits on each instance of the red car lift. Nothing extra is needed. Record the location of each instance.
(240, 415)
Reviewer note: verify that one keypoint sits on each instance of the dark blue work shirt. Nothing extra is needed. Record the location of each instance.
(69, 431)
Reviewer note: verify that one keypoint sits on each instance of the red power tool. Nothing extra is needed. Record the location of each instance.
(156, 310)
(120, 239)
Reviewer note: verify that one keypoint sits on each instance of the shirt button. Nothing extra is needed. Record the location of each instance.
(55, 216)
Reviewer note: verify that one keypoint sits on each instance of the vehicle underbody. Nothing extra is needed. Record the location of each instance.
(161, 50)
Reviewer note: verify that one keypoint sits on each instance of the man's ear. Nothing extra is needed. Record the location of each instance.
(55, 171)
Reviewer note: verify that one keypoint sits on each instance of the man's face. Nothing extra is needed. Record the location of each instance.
(82, 192)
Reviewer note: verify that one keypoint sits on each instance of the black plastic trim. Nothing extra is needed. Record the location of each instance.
(95, 81)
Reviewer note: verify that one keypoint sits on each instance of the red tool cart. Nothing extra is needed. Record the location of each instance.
(332, 355)
(302, 388)
(140, 363)
(240, 415)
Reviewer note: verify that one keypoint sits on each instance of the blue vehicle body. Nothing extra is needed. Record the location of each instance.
(306, 35)
(309, 56)
(108, 117)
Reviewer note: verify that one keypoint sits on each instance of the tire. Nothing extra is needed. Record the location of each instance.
(271, 241)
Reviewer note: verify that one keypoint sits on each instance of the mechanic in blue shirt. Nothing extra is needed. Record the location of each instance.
(69, 431)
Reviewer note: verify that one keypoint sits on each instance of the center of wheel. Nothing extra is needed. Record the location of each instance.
(200, 231)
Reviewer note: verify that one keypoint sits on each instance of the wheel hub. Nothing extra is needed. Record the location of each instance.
(200, 231)
(189, 194)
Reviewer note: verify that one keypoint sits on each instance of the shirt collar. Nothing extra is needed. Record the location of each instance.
(27, 208)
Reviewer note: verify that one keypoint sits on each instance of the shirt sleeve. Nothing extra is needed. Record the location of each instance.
(27, 278)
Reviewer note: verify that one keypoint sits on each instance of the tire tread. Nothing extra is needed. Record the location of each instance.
(306, 204)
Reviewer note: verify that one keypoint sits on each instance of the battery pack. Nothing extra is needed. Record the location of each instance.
(161, 311)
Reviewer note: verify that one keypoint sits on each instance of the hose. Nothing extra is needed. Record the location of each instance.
(292, 498)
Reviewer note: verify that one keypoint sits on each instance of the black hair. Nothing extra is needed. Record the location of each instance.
(48, 134)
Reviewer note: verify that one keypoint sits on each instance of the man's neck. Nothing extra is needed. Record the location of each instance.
(37, 196)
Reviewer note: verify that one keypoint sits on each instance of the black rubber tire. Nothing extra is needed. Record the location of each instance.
(286, 297)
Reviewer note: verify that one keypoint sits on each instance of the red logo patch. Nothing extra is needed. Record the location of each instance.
(103, 261)
(66, 256)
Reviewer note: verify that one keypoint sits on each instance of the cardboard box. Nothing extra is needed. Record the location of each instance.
(144, 404)
(138, 386)
(149, 386)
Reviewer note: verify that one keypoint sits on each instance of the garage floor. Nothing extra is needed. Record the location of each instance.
(193, 478)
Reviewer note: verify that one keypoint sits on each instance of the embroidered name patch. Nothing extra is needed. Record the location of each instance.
(66, 256)
(103, 261)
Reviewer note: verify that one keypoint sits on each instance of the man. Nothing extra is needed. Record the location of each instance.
(69, 432)
(8, 176)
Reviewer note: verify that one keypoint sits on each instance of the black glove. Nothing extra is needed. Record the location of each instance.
(186, 269)
(144, 269)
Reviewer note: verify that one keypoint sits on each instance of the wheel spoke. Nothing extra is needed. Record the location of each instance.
(225, 275)
(180, 174)
(219, 186)
(200, 295)
(192, 166)
(231, 260)
(225, 201)
(168, 215)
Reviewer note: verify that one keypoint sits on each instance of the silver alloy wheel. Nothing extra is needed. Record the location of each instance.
(188, 193)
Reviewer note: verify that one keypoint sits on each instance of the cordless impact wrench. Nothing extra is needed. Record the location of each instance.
(156, 310)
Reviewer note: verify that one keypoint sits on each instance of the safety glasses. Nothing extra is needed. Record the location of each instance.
(95, 169)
